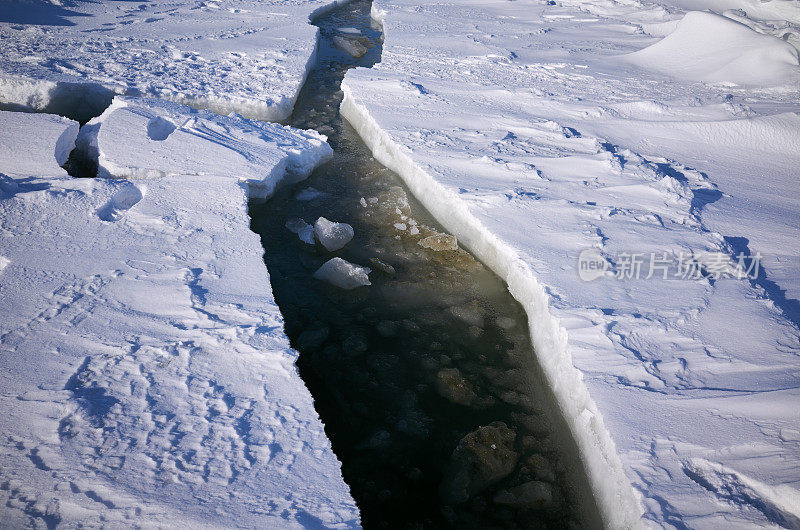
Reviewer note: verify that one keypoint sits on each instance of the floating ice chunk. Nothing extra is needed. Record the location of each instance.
(309, 194)
(303, 230)
(350, 46)
(4, 262)
(439, 242)
(349, 31)
(333, 236)
(343, 274)
(383, 267)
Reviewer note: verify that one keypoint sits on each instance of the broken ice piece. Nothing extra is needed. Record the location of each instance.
(343, 274)
(333, 236)
(382, 266)
(303, 230)
(439, 242)
(353, 47)
(309, 194)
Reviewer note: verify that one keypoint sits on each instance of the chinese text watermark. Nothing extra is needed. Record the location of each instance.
(592, 264)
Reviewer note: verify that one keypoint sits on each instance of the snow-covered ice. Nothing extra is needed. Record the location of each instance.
(164, 138)
(527, 132)
(333, 235)
(146, 375)
(241, 56)
(343, 274)
(35, 144)
(708, 47)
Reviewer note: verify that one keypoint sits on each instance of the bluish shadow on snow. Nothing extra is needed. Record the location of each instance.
(729, 487)
(10, 186)
(37, 14)
(76, 101)
(94, 400)
(160, 128)
(124, 199)
(790, 307)
(701, 197)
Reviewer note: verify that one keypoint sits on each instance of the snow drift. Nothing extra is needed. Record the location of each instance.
(715, 49)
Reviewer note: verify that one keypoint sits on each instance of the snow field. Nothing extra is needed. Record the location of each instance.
(617, 502)
(226, 56)
(145, 363)
(189, 428)
(693, 383)
(517, 127)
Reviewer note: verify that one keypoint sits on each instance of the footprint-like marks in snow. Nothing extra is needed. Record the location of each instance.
(779, 504)
(124, 199)
(190, 428)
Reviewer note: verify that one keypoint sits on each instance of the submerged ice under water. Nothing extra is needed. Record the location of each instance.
(425, 379)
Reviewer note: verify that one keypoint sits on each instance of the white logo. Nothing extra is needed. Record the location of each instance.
(591, 264)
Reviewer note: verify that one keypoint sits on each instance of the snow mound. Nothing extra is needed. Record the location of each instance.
(123, 200)
(164, 138)
(715, 49)
(343, 274)
(780, 18)
(332, 235)
(35, 144)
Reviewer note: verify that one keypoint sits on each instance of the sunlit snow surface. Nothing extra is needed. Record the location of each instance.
(526, 131)
(242, 56)
(549, 142)
(146, 377)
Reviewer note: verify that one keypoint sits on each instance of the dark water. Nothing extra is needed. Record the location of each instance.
(426, 379)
